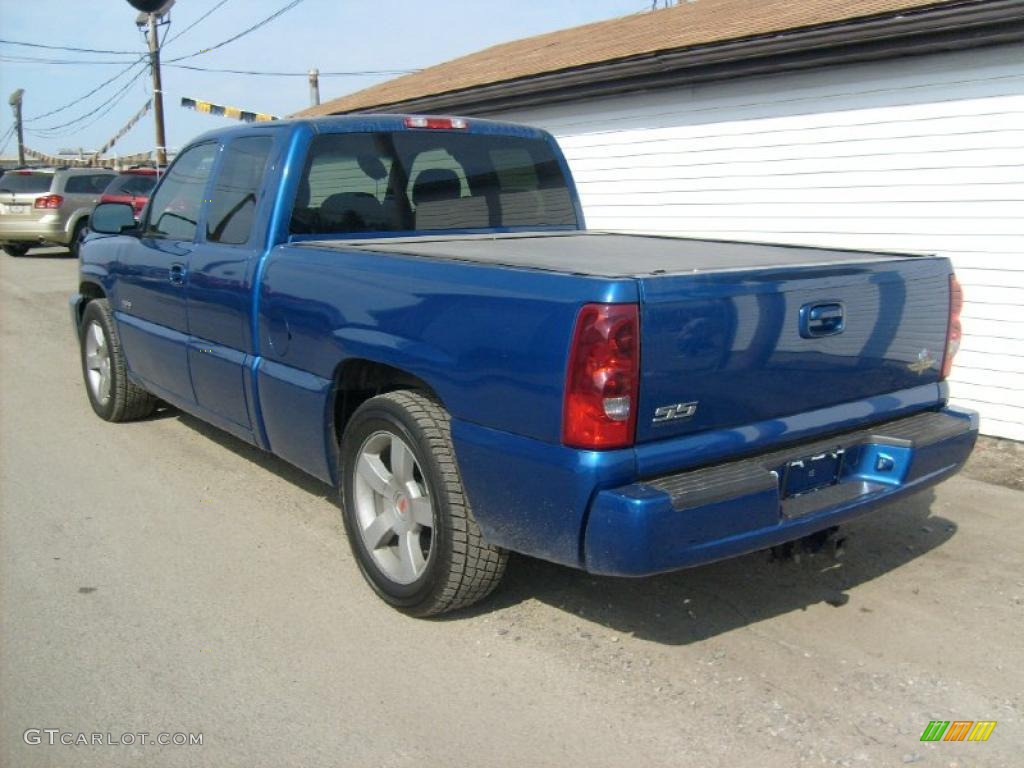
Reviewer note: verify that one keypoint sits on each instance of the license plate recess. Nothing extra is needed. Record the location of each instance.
(812, 473)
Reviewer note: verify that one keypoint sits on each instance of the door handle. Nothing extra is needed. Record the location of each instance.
(818, 320)
(177, 274)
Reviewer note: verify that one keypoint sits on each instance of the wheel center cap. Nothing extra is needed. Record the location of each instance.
(402, 505)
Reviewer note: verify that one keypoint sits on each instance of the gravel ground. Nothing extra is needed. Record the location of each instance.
(164, 577)
(997, 461)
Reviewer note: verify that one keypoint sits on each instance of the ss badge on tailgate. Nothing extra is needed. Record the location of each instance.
(673, 412)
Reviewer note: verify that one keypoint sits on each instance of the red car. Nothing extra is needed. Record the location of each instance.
(133, 187)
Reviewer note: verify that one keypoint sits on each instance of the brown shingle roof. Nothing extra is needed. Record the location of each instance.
(686, 25)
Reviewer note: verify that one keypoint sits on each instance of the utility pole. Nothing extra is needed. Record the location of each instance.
(15, 102)
(158, 93)
(314, 87)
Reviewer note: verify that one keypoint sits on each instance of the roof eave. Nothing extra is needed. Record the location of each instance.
(973, 23)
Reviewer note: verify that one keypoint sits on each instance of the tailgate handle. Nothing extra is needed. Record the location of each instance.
(824, 319)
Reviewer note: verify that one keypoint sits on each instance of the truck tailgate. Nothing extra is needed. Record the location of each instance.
(724, 349)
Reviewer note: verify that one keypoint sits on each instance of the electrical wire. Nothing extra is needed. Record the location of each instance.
(241, 34)
(6, 139)
(80, 99)
(36, 60)
(366, 72)
(196, 22)
(43, 132)
(74, 129)
(68, 48)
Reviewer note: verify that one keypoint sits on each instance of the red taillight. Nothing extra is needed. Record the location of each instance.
(955, 330)
(602, 380)
(442, 123)
(48, 201)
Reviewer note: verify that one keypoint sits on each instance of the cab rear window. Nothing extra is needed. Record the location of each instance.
(408, 181)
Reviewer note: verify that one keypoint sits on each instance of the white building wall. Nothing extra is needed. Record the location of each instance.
(918, 154)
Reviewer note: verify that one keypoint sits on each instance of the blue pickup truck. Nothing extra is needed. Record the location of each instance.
(410, 308)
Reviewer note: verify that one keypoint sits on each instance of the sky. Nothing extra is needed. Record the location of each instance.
(332, 35)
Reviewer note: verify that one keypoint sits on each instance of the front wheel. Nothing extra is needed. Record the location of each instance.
(406, 514)
(112, 395)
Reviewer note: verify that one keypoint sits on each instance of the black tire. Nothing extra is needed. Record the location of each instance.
(125, 401)
(461, 568)
(16, 249)
(76, 237)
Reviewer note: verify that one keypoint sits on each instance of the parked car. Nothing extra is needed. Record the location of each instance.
(131, 186)
(48, 206)
(411, 308)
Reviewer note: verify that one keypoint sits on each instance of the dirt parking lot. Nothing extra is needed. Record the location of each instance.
(162, 577)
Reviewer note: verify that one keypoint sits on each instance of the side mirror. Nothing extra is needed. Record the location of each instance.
(112, 218)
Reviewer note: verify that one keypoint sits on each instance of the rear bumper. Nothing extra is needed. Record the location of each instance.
(49, 228)
(729, 509)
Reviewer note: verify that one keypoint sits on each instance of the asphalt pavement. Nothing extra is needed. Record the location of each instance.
(162, 577)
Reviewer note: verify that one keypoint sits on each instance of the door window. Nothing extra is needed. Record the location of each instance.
(233, 204)
(174, 209)
(86, 185)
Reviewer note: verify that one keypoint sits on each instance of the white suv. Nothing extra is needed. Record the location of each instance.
(48, 206)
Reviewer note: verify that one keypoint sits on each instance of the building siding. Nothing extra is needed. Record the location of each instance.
(919, 154)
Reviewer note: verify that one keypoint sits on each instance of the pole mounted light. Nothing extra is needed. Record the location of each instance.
(15, 102)
(151, 11)
(151, 6)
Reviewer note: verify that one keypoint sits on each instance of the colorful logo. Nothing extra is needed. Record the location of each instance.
(958, 730)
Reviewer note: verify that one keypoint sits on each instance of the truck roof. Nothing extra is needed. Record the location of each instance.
(364, 123)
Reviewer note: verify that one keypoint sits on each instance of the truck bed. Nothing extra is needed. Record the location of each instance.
(606, 254)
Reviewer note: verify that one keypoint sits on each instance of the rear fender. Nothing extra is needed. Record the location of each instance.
(79, 214)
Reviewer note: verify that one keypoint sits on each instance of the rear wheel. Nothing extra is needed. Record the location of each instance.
(406, 513)
(16, 249)
(112, 396)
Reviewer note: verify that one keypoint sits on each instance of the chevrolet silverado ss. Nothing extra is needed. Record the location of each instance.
(411, 309)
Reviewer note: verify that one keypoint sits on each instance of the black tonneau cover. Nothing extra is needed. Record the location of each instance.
(604, 254)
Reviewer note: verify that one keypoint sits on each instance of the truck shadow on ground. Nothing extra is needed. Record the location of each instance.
(266, 461)
(698, 603)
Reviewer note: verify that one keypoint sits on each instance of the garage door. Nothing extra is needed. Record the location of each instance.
(920, 154)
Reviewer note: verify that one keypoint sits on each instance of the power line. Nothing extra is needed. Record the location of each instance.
(99, 87)
(365, 72)
(36, 60)
(241, 34)
(196, 22)
(68, 48)
(111, 101)
(116, 99)
(6, 138)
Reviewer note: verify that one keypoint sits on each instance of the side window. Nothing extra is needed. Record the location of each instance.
(100, 182)
(233, 205)
(174, 209)
(78, 185)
